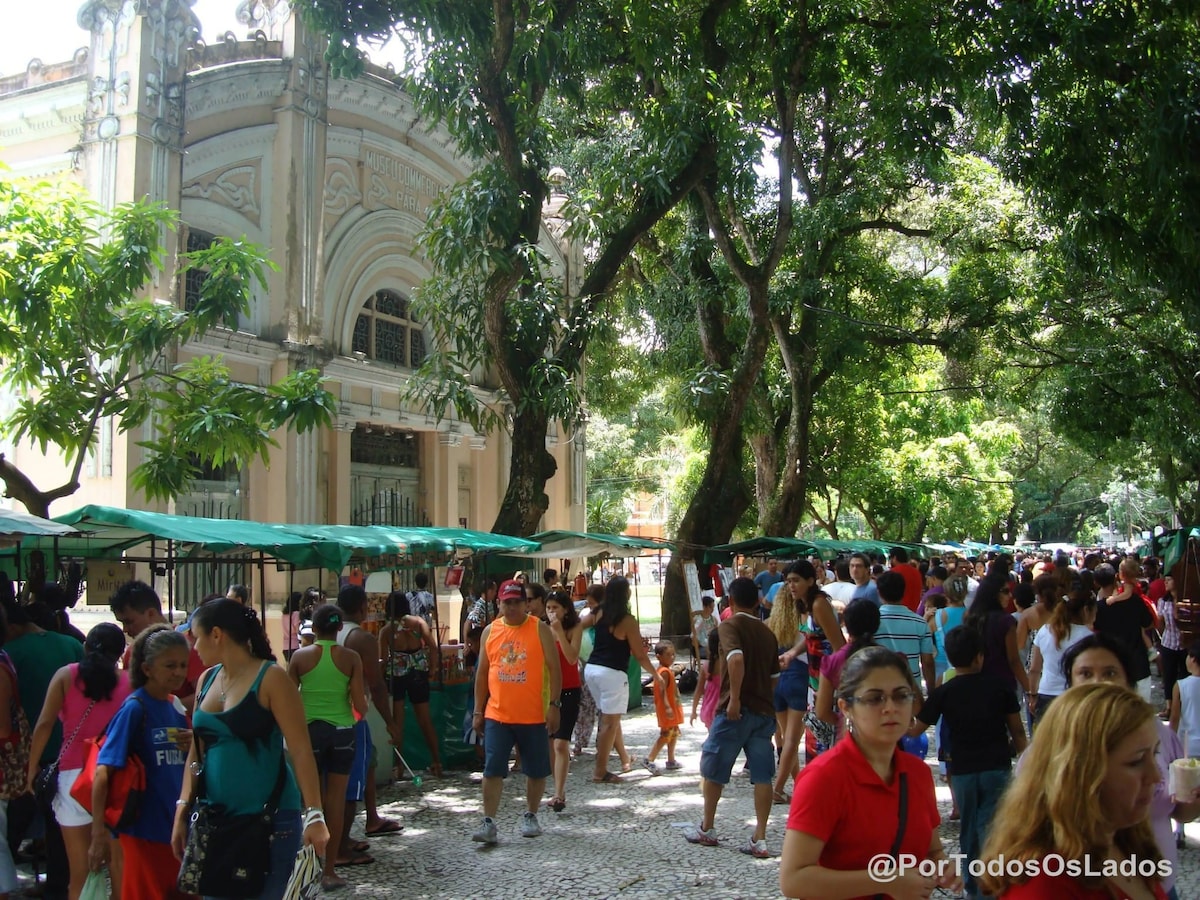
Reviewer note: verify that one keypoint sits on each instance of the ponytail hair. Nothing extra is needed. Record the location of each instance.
(239, 622)
(1068, 611)
(104, 646)
(862, 622)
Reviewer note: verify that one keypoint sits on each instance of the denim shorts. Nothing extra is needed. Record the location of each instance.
(532, 740)
(727, 739)
(791, 692)
(333, 746)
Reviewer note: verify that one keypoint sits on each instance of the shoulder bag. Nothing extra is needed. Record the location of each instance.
(45, 782)
(126, 785)
(227, 855)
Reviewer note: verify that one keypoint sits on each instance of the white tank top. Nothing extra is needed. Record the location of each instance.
(1189, 713)
(347, 629)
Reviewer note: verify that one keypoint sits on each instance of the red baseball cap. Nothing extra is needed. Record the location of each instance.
(511, 590)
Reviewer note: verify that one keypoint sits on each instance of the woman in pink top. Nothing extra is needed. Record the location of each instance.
(862, 621)
(83, 696)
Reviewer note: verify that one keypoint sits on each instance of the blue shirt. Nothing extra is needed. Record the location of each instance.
(902, 630)
(764, 579)
(868, 590)
(150, 729)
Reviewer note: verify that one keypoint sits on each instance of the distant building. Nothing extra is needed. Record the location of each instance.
(251, 137)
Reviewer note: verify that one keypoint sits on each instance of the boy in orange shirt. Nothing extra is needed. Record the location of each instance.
(668, 708)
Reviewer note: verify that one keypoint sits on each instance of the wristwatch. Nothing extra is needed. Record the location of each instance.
(557, 704)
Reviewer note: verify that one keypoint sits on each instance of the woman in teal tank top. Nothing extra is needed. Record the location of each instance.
(246, 706)
(330, 678)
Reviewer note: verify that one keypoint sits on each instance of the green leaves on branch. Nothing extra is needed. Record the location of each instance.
(202, 413)
(81, 340)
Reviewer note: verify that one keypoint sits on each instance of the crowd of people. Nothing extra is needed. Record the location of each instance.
(967, 649)
(820, 689)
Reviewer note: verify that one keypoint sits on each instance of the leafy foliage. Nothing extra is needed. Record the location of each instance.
(1100, 111)
(78, 343)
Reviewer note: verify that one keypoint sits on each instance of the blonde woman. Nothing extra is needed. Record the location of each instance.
(1083, 791)
(803, 620)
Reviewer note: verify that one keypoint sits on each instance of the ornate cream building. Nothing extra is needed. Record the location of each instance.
(251, 137)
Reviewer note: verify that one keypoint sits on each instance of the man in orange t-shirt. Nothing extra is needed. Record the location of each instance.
(517, 686)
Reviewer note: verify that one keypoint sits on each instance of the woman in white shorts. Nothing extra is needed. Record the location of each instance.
(83, 697)
(618, 636)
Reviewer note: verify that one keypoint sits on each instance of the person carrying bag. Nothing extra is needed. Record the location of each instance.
(238, 775)
(228, 855)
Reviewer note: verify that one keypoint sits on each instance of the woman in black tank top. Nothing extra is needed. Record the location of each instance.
(618, 637)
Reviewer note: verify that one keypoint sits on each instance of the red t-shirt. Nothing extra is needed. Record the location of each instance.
(1062, 887)
(841, 800)
(914, 584)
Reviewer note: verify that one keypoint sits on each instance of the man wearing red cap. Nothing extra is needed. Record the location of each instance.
(517, 687)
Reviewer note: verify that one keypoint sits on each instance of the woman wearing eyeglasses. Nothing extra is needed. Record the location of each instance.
(865, 797)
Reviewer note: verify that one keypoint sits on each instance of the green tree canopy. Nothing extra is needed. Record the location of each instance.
(80, 342)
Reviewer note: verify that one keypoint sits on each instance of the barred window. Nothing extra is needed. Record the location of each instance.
(387, 331)
(193, 279)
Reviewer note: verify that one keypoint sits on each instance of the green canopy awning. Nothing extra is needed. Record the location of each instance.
(795, 547)
(761, 546)
(14, 524)
(107, 532)
(573, 544)
(1171, 545)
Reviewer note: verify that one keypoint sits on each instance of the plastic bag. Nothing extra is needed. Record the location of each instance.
(95, 888)
(305, 882)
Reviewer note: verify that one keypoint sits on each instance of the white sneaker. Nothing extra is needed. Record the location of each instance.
(757, 849)
(486, 833)
(529, 825)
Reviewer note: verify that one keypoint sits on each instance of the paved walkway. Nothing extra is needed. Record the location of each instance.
(613, 841)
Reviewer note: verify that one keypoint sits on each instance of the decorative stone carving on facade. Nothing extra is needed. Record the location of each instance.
(38, 73)
(112, 21)
(231, 50)
(164, 103)
(265, 16)
(225, 94)
(310, 85)
(395, 183)
(174, 27)
(341, 186)
(236, 187)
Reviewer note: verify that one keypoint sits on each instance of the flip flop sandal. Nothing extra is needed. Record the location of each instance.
(360, 847)
(781, 798)
(558, 804)
(387, 826)
(358, 859)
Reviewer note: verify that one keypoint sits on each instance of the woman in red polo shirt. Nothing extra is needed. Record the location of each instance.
(865, 798)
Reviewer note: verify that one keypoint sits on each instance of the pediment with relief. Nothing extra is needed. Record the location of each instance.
(237, 187)
(341, 187)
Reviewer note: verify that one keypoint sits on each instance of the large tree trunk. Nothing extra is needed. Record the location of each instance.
(525, 501)
(781, 516)
(715, 509)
